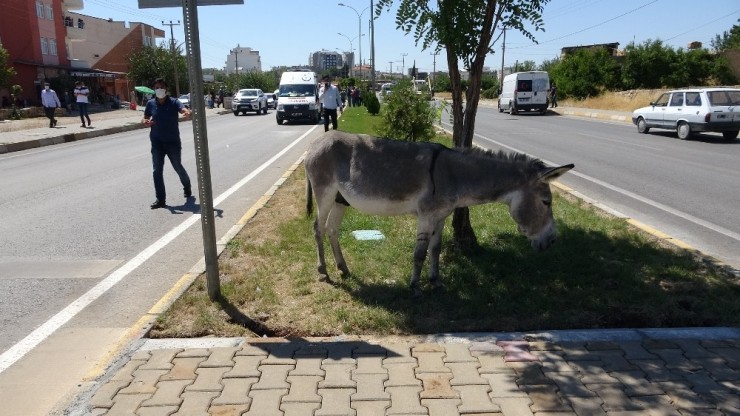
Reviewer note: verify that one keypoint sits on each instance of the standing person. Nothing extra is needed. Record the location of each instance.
(221, 97)
(162, 114)
(82, 93)
(553, 96)
(331, 102)
(50, 101)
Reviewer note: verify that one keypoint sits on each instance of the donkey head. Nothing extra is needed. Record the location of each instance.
(531, 207)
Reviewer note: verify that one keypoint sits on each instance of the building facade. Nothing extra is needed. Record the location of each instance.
(322, 60)
(32, 31)
(241, 59)
(47, 40)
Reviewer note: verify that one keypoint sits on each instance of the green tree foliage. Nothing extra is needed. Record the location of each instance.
(526, 66)
(266, 81)
(465, 30)
(490, 86)
(442, 82)
(150, 63)
(728, 40)
(407, 115)
(6, 71)
(585, 73)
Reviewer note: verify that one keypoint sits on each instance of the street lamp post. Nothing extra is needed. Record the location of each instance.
(351, 48)
(359, 27)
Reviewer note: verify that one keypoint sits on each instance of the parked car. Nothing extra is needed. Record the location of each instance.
(692, 110)
(271, 100)
(185, 100)
(249, 99)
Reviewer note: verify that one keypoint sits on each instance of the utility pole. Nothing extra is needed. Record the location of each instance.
(434, 68)
(372, 44)
(235, 51)
(403, 64)
(503, 52)
(174, 57)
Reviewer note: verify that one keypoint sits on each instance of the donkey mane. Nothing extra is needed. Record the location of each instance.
(508, 157)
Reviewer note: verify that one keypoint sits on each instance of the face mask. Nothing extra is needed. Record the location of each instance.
(160, 92)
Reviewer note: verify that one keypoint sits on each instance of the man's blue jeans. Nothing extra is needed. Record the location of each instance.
(173, 151)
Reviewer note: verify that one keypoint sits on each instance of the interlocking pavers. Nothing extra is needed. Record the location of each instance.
(635, 384)
(183, 368)
(144, 382)
(308, 366)
(160, 359)
(256, 349)
(220, 357)
(478, 349)
(299, 409)
(340, 353)
(587, 406)
(552, 361)
(103, 398)
(335, 402)
(245, 366)
(405, 401)
(437, 386)
(466, 373)
(195, 403)
(633, 350)
(273, 377)
(545, 398)
(227, 409)
(718, 369)
(401, 374)
(266, 402)
(374, 408)
(168, 393)
(430, 362)
(511, 406)
(303, 389)
(731, 355)
(693, 348)
(684, 398)
(127, 404)
(235, 392)
(338, 375)
(592, 372)
(370, 387)
(475, 399)
(503, 385)
(441, 407)
(657, 405)
(656, 370)
(280, 353)
(458, 353)
(529, 373)
(570, 385)
(194, 352)
(126, 373)
(209, 379)
(614, 361)
(157, 411)
(369, 364)
(492, 363)
(613, 397)
(398, 352)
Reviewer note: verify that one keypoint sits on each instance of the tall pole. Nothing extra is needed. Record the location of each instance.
(351, 48)
(434, 69)
(174, 57)
(403, 64)
(359, 27)
(372, 44)
(503, 52)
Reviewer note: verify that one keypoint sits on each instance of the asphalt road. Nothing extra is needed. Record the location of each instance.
(687, 189)
(82, 255)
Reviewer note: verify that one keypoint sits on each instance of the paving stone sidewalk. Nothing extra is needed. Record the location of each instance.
(425, 377)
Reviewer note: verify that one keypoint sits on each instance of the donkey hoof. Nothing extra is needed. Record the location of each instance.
(415, 292)
(324, 278)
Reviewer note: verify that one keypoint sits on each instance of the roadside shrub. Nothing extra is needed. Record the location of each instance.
(407, 115)
(371, 102)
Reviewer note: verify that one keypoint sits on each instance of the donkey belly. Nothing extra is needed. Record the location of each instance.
(380, 206)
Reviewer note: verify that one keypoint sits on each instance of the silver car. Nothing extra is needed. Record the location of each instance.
(692, 110)
(249, 99)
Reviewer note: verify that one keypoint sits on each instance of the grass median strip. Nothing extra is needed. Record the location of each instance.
(602, 273)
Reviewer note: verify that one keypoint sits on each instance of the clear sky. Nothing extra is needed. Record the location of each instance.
(285, 32)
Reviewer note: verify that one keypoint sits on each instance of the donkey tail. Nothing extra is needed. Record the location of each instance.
(309, 198)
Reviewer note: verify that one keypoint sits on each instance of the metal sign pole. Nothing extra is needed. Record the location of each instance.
(202, 160)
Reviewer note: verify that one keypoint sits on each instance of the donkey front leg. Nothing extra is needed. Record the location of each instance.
(318, 233)
(335, 219)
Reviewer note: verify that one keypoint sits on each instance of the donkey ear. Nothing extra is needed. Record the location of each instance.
(551, 174)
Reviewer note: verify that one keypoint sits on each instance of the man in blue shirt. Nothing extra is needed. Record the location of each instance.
(162, 115)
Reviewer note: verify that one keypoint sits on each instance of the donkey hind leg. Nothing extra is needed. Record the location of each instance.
(332, 226)
(420, 254)
(435, 248)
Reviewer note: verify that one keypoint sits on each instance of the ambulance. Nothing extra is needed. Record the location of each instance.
(298, 97)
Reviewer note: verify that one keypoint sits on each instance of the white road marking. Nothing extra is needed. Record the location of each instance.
(24, 346)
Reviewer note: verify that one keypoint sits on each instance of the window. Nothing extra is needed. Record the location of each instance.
(44, 47)
(693, 99)
(49, 12)
(147, 41)
(52, 47)
(39, 9)
(677, 99)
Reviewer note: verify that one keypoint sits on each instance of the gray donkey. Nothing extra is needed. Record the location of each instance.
(388, 177)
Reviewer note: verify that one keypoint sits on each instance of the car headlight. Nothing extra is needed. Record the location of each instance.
(280, 107)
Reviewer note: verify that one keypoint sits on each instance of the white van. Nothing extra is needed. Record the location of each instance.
(298, 97)
(524, 91)
(422, 86)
